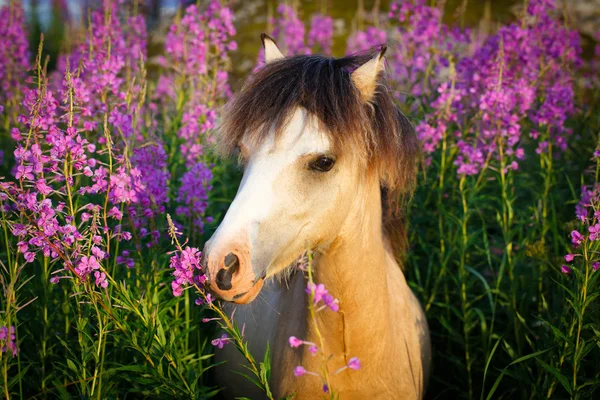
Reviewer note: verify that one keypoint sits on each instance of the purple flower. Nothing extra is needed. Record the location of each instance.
(153, 195)
(321, 32)
(193, 194)
(565, 270)
(220, 342)
(14, 53)
(364, 40)
(595, 265)
(8, 340)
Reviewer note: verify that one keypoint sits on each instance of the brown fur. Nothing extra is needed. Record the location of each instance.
(375, 130)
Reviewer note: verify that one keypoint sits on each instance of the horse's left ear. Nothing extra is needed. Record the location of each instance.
(272, 52)
(365, 76)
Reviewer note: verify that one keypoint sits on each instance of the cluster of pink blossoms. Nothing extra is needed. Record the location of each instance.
(8, 340)
(67, 196)
(187, 269)
(321, 33)
(201, 68)
(289, 31)
(290, 34)
(196, 63)
(515, 77)
(364, 40)
(321, 300)
(14, 55)
(587, 212)
(321, 297)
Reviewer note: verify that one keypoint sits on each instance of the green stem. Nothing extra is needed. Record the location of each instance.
(462, 272)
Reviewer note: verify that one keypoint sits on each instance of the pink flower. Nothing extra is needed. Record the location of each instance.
(22, 246)
(295, 342)
(115, 213)
(354, 363)
(594, 231)
(331, 302)
(86, 265)
(101, 279)
(569, 257)
(29, 256)
(595, 265)
(320, 293)
(99, 254)
(576, 238)
(565, 270)
(299, 371)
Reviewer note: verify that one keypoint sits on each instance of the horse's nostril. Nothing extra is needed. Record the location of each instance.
(223, 279)
(232, 262)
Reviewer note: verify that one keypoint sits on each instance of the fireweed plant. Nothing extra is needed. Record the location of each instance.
(103, 299)
(319, 300)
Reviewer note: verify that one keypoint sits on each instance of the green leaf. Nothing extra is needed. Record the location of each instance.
(564, 381)
(250, 378)
(517, 361)
(487, 364)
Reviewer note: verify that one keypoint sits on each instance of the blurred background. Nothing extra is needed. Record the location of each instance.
(57, 18)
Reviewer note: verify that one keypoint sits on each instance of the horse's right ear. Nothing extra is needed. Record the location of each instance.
(272, 52)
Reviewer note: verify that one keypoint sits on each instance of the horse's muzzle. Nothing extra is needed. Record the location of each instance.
(231, 276)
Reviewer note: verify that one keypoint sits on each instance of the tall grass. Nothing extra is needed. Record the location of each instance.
(102, 289)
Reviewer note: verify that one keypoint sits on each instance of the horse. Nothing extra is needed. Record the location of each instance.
(329, 160)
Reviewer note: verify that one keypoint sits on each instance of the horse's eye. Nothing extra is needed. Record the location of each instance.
(322, 164)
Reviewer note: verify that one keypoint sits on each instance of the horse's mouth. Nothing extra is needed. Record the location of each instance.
(247, 297)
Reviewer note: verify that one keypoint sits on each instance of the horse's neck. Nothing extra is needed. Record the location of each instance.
(355, 270)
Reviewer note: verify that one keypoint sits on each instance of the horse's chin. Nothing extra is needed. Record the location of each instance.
(286, 268)
(251, 294)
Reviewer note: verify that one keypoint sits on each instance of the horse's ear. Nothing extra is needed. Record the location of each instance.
(272, 52)
(365, 76)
